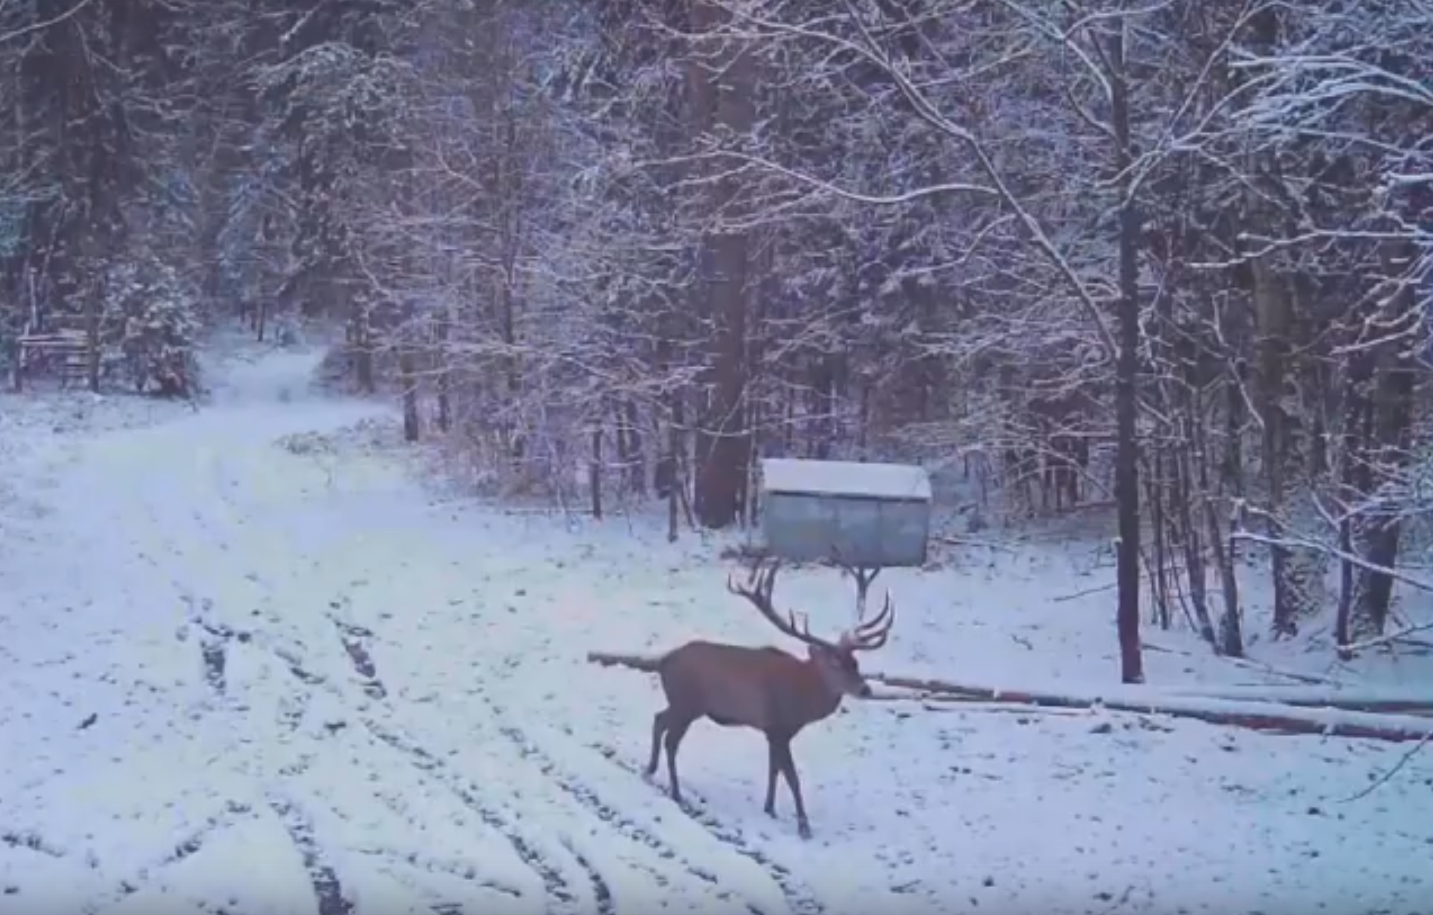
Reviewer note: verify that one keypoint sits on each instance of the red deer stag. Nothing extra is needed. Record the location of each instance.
(763, 688)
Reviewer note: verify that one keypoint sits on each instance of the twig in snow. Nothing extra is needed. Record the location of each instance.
(1387, 639)
(1084, 593)
(1394, 770)
(1250, 664)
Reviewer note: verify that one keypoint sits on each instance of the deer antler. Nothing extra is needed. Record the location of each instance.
(872, 633)
(761, 582)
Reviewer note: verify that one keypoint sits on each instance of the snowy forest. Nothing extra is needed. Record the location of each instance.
(1168, 260)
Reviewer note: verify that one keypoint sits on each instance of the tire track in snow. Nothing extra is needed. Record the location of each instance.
(573, 785)
(800, 898)
(186, 847)
(556, 865)
(214, 641)
(329, 893)
(666, 867)
(322, 874)
(561, 797)
(459, 867)
(431, 770)
(327, 889)
(561, 897)
(199, 548)
(608, 814)
(601, 888)
(161, 545)
(355, 639)
(32, 841)
(571, 788)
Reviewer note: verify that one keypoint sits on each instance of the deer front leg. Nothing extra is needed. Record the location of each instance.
(793, 781)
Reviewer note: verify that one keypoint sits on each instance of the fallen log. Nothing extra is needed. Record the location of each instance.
(1381, 707)
(1379, 701)
(1265, 714)
(1349, 699)
(1268, 716)
(995, 708)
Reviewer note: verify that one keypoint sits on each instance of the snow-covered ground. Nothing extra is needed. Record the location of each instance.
(249, 665)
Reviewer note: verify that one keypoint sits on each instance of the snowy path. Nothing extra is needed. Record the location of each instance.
(197, 570)
(315, 733)
(239, 677)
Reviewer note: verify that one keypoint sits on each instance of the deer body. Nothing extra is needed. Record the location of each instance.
(762, 688)
(765, 689)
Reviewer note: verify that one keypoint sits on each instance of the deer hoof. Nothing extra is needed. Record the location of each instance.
(804, 829)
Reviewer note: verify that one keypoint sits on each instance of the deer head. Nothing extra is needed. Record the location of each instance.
(835, 661)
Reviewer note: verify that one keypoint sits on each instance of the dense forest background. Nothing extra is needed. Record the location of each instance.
(1171, 257)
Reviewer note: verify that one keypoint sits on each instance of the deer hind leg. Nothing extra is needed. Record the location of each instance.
(773, 766)
(659, 727)
(676, 730)
(793, 781)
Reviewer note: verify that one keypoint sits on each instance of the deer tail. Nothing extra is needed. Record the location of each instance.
(645, 663)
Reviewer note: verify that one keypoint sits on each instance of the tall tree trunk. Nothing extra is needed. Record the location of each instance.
(445, 371)
(722, 475)
(1356, 475)
(594, 473)
(1127, 371)
(408, 380)
(1271, 312)
(1296, 572)
(1392, 427)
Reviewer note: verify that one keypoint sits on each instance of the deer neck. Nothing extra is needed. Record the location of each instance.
(819, 699)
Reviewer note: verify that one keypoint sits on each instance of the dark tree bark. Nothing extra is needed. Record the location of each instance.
(594, 473)
(1127, 371)
(408, 380)
(1391, 439)
(721, 473)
